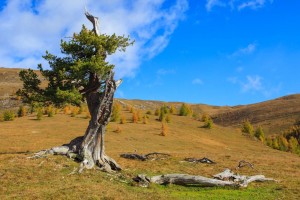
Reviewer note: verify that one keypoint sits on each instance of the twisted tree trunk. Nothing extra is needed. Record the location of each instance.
(92, 148)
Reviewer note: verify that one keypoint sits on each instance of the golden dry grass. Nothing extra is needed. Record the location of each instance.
(48, 178)
(10, 82)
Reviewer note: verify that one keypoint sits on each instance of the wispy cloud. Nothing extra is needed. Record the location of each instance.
(213, 3)
(253, 83)
(237, 4)
(245, 50)
(197, 81)
(29, 28)
(253, 4)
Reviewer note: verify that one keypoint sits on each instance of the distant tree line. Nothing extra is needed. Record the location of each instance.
(288, 140)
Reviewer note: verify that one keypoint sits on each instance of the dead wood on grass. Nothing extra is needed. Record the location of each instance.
(149, 156)
(225, 178)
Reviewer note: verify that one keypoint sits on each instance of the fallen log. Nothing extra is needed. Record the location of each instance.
(149, 156)
(226, 178)
(202, 160)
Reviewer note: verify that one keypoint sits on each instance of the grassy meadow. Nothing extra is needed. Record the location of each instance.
(49, 178)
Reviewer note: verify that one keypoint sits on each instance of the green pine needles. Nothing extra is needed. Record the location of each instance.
(69, 76)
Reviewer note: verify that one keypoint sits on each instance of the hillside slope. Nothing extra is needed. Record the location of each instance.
(9, 81)
(274, 115)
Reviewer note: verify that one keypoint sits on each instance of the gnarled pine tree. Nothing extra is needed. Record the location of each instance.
(83, 74)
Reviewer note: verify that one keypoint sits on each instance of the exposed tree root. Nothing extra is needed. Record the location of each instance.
(105, 163)
(149, 156)
(202, 160)
(226, 178)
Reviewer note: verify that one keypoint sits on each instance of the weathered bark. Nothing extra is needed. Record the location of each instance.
(92, 148)
(94, 21)
(226, 178)
(149, 156)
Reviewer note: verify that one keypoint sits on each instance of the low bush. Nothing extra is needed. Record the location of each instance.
(135, 117)
(247, 128)
(39, 114)
(116, 112)
(157, 112)
(205, 117)
(208, 123)
(22, 111)
(173, 110)
(149, 112)
(123, 119)
(185, 110)
(75, 111)
(50, 111)
(8, 115)
(168, 118)
(164, 129)
(259, 134)
(145, 119)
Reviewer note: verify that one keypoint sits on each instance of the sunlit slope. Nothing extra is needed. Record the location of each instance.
(225, 145)
(274, 115)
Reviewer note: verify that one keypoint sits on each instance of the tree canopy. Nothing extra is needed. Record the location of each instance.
(82, 69)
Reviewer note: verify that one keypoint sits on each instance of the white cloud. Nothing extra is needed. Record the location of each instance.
(244, 51)
(237, 4)
(197, 81)
(253, 4)
(29, 29)
(213, 3)
(253, 83)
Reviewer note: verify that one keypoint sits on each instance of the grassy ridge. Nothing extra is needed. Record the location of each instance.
(274, 116)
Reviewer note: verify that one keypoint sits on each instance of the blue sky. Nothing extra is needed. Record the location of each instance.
(219, 52)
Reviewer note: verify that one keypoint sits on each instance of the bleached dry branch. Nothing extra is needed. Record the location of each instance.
(226, 178)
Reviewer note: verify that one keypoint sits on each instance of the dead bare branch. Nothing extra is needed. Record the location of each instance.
(202, 160)
(149, 156)
(226, 178)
